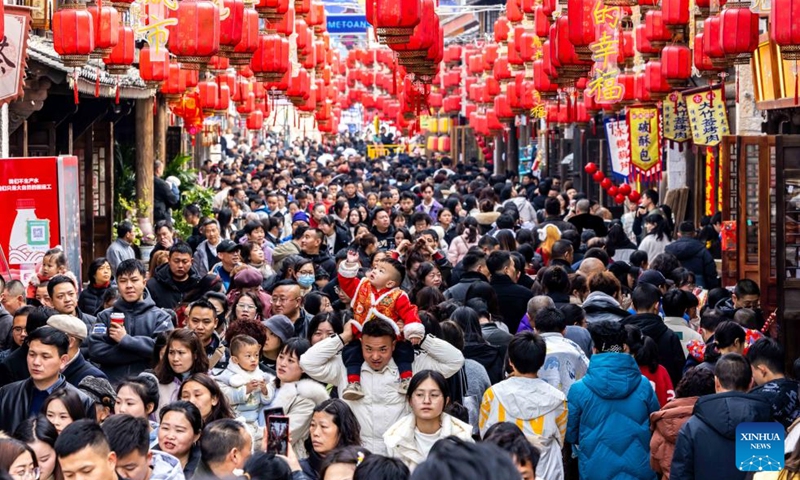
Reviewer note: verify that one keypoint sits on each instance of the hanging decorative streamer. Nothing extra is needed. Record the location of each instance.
(644, 129)
(708, 117)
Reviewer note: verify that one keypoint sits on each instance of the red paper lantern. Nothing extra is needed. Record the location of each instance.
(270, 61)
(195, 39)
(273, 9)
(581, 27)
(514, 11)
(105, 21)
(619, 199)
(394, 20)
(634, 196)
(625, 189)
(231, 27)
(676, 65)
(541, 23)
(675, 12)
(121, 57)
(598, 176)
(175, 84)
(655, 29)
(612, 191)
(73, 34)
(785, 28)
(223, 99)
(153, 67)
(591, 168)
(255, 120)
(208, 92)
(502, 28)
(606, 183)
(712, 42)
(654, 81)
(739, 34)
(247, 107)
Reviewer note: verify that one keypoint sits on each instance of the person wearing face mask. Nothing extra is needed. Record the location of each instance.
(306, 276)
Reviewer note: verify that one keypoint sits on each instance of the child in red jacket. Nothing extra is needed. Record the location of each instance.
(378, 296)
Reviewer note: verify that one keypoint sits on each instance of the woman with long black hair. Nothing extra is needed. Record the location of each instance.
(657, 237)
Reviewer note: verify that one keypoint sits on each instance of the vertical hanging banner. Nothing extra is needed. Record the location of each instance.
(619, 148)
(645, 142)
(603, 85)
(676, 119)
(707, 116)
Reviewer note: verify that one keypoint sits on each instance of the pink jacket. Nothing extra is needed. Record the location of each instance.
(458, 248)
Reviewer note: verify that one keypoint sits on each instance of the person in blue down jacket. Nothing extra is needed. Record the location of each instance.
(609, 411)
(706, 445)
(127, 349)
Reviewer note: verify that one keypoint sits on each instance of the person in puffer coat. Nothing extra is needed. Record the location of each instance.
(694, 256)
(667, 422)
(706, 444)
(609, 411)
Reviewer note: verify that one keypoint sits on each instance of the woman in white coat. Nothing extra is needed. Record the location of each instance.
(297, 394)
(411, 438)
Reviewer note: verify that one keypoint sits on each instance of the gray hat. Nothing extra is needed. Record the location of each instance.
(281, 326)
(99, 390)
(68, 324)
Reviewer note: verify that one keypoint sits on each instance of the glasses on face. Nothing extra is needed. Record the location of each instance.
(26, 474)
(282, 300)
(433, 396)
(245, 306)
(18, 330)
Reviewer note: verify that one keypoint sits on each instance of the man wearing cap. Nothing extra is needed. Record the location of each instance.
(694, 256)
(311, 247)
(100, 391)
(654, 278)
(228, 252)
(281, 327)
(77, 366)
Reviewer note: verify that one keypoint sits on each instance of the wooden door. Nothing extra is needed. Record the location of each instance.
(788, 241)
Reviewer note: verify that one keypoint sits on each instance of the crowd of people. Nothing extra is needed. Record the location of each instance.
(398, 318)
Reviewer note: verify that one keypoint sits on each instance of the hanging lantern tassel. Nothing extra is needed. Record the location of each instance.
(737, 84)
(97, 82)
(75, 86)
(796, 83)
(116, 96)
(593, 123)
(155, 105)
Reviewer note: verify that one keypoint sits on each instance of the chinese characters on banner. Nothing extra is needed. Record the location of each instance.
(14, 52)
(676, 119)
(603, 85)
(707, 116)
(619, 148)
(644, 126)
(152, 19)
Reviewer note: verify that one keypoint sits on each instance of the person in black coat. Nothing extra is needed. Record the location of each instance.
(173, 280)
(25, 398)
(164, 198)
(101, 279)
(15, 366)
(512, 298)
(585, 220)
(706, 444)
(694, 256)
(646, 299)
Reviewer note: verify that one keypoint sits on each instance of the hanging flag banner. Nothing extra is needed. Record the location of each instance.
(619, 148)
(643, 124)
(676, 118)
(707, 116)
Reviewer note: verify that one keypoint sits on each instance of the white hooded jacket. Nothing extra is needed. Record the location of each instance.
(383, 404)
(401, 442)
(538, 409)
(165, 467)
(298, 400)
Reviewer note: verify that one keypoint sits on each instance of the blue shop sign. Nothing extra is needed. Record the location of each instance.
(353, 23)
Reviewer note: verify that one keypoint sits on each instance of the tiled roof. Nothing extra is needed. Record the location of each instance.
(41, 50)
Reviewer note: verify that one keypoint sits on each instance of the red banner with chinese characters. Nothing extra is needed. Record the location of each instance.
(708, 117)
(645, 132)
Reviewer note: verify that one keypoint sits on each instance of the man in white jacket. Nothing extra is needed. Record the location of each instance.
(383, 404)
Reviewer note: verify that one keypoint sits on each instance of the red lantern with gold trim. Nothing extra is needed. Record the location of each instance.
(175, 84)
(231, 28)
(207, 94)
(195, 39)
(153, 67)
(106, 24)
(394, 20)
(581, 27)
(502, 28)
(121, 57)
(785, 28)
(676, 65)
(739, 33)
(73, 34)
(270, 62)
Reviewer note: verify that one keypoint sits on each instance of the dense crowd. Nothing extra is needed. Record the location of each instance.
(411, 317)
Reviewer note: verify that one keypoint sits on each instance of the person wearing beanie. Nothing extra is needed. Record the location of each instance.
(279, 330)
(613, 397)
